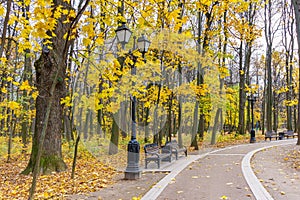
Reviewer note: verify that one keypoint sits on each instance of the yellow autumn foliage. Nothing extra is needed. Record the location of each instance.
(2, 10)
(25, 86)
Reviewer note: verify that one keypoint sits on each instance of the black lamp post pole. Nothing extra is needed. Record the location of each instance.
(133, 171)
(252, 113)
(133, 103)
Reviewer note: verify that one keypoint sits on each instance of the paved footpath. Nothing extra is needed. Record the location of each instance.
(220, 174)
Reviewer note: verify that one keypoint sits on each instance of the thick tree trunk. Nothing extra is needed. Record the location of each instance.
(51, 157)
(50, 81)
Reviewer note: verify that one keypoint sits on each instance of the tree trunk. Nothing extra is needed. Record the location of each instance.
(51, 157)
(216, 126)
(6, 19)
(241, 126)
(248, 53)
(269, 40)
(194, 141)
(296, 5)
(288, 94)
(263, 119)
(114, 140)
(146, 125)
(269, 103)
(26, 76)
(50, 81)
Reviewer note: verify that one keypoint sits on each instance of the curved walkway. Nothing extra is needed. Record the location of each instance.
(220, 174)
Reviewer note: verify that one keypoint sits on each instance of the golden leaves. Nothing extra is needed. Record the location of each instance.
(90, 175)
(67, 101)
(25, 86)
(4, 90)
(14, 105)
(290, 102)
(223, 197)
(200, 90)
(2, 10)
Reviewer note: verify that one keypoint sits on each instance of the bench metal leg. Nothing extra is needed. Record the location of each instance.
(158, 164)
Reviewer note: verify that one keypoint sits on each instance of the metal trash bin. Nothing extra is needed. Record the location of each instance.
(281, 136)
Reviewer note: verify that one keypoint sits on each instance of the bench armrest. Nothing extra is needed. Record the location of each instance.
(152, 154)
(166, 149)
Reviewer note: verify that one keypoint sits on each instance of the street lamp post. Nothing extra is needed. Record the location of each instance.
(132, 170)
(252, 99)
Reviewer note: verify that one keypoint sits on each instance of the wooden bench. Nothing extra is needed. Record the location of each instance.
(288, 134)
(270, 135)
(175, 149)
(156, 154)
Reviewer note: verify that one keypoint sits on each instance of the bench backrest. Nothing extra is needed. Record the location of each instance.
(270, 133)
(290, 133)
(173, 144)
(151, 148)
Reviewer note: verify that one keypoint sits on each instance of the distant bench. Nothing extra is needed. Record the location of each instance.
(280, 135)
(154, 153)
(288, 134)
(271, 134)
(175, 149)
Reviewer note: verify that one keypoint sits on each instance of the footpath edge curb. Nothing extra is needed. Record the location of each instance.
(255, 185)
